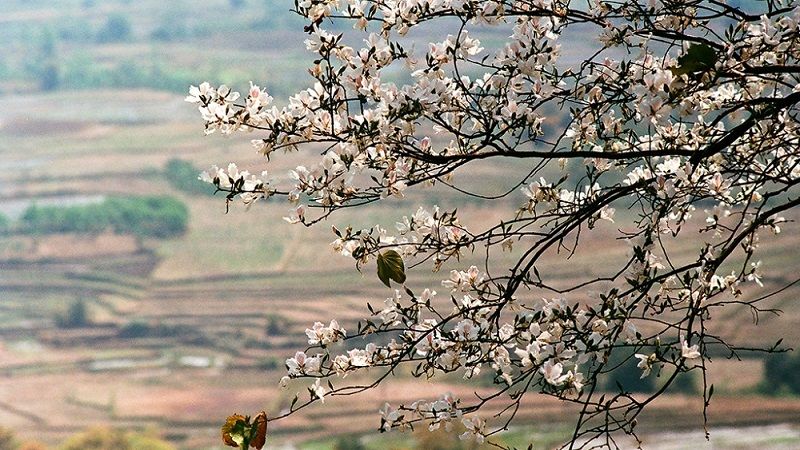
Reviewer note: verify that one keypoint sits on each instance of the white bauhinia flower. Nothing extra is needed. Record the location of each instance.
(688, 352)
(318, 391)
(645, 363)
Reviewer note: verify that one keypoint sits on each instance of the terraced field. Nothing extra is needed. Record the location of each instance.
(208, 353)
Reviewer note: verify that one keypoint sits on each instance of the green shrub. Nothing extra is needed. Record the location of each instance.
(116, 29)
(627, 374)
(270, 363)
(76, 316)
(182, 175)
(781, 374)
(152, 216)
(685, 383)
(141, 329)
(276, 325)
(135, 329)
(49, 77)
(168, 32)
(5, 224)
(148, 216)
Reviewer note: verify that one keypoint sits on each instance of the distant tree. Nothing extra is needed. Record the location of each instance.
(237, 4)
(276, 325)
(269, 363)
(49, 78)
(76, 316)
(624, 373)
(30, 219)
(685, 383)
(684, 115)
(47, 43)
(148, 216)
(782, 373)
(169, 32)
(5, 224)
(117, 28)
(135, 329)
(183, 176)
(46, 65)
(130, 74)
(155, 216)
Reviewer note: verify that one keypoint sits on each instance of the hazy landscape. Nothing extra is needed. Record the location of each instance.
(162, 334)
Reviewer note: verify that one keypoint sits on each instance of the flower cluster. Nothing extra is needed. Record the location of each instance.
(249, 186)
(321, 335)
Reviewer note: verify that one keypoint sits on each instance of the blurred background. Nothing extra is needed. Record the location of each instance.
(135, 313)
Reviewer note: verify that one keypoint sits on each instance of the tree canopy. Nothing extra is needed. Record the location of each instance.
(681, 113)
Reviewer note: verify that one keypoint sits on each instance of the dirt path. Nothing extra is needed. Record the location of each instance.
(289, 251)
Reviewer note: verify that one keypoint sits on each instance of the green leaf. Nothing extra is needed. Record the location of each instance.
(698, 58)
(390, 267)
